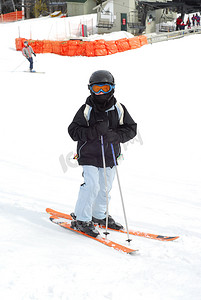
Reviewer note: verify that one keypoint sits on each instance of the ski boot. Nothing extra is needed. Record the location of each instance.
(111, 223)
(86, 227)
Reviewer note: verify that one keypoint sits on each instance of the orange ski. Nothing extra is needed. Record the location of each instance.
(147, 235)
(58, 214)
(66, 225)
(132, 232)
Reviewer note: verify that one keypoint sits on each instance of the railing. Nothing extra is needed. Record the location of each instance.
(155, 38)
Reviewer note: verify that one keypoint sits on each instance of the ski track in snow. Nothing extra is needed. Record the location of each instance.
(160, 178)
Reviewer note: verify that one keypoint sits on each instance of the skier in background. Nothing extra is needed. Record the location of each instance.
(182, 26)
(178, 23)
(101, 117)
(197, 18)
(27, 51)
(188, 23)
(193, 20)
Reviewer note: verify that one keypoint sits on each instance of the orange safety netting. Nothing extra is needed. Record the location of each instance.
(89, 50)
(123, 45)
(56, 47)
(134, 42)
(47, 46)
(13, 16)
(83, 48)
(111, 47)
(64, 48)
(72, 47)
(19, 44)
(100, 48)
(143, 40)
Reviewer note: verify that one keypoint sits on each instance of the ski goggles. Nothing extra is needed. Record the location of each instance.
(97, 88)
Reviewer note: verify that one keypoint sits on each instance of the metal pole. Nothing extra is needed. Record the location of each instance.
(106, 187)
(120, 190)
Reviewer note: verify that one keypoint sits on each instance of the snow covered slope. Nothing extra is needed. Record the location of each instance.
(160, 175)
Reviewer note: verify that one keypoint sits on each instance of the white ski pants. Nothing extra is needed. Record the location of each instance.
(92, 199)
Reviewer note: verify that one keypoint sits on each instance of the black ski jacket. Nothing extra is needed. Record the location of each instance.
(89, 147)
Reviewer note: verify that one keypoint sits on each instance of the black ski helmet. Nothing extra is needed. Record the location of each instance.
(101, 76)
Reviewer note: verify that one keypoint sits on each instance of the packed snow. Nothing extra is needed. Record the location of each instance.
(160, 174)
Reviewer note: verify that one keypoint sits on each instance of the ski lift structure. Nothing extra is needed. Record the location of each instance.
(132, 23)
(166, 22)
(105, 15)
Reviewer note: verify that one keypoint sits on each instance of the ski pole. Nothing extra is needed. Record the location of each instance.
(106, 186)
(120, 190)
(18, 66)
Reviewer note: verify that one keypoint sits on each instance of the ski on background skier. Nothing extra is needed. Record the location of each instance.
(66, 224)
(132, 232)
(33, 71)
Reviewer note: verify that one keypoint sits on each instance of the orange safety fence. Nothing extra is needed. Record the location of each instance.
(143, 40)
(100, 48)
(134, 43)
(83, 48)
(56, 47)
(10, 17)
(123, 45)
(111, 47)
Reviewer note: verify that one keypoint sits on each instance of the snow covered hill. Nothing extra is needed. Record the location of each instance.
(160, 174)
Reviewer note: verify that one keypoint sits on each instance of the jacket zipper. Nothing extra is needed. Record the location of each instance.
(81, 149)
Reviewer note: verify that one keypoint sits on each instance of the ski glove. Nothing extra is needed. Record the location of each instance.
(112, 137)
(102, 127)
(34, 54)
(98, 129)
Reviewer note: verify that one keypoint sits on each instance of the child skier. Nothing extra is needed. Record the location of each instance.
(27, 51)
(100, 118)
